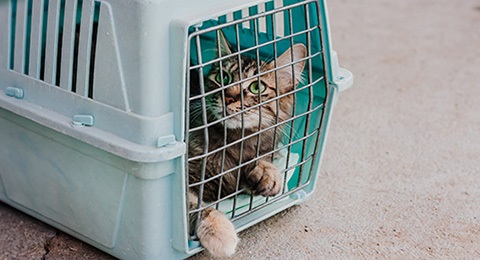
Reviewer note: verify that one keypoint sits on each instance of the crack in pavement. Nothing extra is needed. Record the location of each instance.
(48, 244)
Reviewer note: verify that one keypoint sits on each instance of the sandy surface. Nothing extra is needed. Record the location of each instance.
(401, 174)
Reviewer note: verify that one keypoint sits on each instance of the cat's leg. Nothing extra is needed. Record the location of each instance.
(264, 179)
(215, 231)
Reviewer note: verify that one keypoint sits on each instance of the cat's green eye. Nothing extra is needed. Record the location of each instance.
(227, 78)
(257, 87)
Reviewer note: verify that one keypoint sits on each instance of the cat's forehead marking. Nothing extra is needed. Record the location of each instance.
(233, 66)
(244, 67)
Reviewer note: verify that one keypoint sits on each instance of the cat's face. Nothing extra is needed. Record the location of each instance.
(248, 100)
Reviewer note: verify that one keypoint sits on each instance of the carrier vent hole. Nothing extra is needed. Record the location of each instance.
(13, 24)
(76, 45)
(28, 28)
(61, 24)
(93, 50)
(43, 36)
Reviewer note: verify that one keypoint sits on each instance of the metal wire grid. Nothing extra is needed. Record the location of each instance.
(310, 134)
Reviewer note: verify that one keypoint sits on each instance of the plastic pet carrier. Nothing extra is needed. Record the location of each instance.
(100, 102)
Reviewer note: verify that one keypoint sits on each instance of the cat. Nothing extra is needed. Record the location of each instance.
(244, 118)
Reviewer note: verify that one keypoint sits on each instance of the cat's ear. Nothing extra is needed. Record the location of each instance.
(223, 44)
(286, 74)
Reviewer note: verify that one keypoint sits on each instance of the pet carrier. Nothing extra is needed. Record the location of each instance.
(96, 113)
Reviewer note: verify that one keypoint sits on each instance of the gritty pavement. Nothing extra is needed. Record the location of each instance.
(401, 174)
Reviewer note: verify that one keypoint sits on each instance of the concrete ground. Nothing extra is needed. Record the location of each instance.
(401, 174)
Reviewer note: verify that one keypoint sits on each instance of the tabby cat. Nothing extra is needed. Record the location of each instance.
(239, 107)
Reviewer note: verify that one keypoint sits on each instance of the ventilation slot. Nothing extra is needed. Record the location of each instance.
(20, 35)
(78, 18)
(61, 25)
(43, 17)
(93, 50)
(13, 22)
(28, 37)
(55, 41)
(264, 23)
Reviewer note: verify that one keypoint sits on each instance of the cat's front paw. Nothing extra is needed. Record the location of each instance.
(217, 234)
(265, 179)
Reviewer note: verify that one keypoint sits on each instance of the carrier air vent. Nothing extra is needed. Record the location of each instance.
(55, 41)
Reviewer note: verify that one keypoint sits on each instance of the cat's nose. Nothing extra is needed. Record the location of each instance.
(229, 100)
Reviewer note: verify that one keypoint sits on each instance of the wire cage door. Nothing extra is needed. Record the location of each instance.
(240, 57)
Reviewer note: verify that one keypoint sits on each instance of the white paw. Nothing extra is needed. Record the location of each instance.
(217, 234)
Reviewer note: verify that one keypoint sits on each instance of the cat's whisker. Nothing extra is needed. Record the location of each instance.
(283, 128)
(268, 59)
(288, 129)
(196, 110)
(302, 78)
